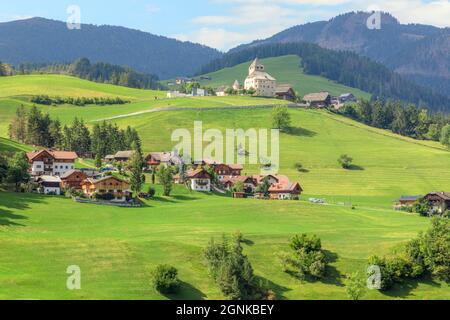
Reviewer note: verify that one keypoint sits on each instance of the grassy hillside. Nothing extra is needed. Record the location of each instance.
(285, 69)
(389, 165)
(116, 248)
(16, 91)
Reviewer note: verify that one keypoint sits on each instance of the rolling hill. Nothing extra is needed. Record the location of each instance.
(40, 40)
(420, 52)
(286, 69)
(117, 248)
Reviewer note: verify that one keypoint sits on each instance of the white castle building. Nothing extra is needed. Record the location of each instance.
(258, 79)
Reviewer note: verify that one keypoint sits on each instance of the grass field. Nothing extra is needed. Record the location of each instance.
(285, 69)
(116, 248)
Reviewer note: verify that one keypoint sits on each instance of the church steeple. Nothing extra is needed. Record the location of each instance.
(255, 66)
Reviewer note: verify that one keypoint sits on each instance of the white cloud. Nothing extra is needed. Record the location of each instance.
(151, 8)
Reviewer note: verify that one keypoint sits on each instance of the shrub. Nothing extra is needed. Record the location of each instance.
(345, 161)
(165, 279)
(307, 259)
(232, 270)
(151, 192)
(355, 286)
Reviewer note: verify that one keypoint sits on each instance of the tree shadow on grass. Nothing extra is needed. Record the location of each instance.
(185, 198)
(404, 289)
(279, 290)
(354, 167)
(7, 218)
(187, 292)
(332, 275)
(301, 132)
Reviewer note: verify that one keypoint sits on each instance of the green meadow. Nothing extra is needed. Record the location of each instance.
(285, 69)
(117, 248)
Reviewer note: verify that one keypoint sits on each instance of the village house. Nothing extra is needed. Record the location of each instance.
(123, 156)
(117, 189)
(183, 80)
(439, 201)
(199, 180)
(318, 100)
(73, 179)
(175, 94)
(198, 92)
(347, 97)
(51, 163)
(259, 80)
(228, 170)
(221, 91)
(49, 185)
(285, 92)
(285, 190)
(249, 183)
(167, 158)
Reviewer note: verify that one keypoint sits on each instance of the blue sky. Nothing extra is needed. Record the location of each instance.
(222, 24)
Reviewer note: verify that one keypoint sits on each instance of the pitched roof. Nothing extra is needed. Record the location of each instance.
(57, 155)
(261, 75)
(124, 154)
(70, 172)
(190, 174)
(95, 181)
(284, 186)
(235, 179)
(49, 179)
(317, 96)
(443, 195)
(283, 88)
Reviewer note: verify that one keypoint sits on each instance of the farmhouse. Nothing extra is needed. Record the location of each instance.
(110, 188)
(259, 80)
(228, 170)
(221, 91)
(199, 180)
(439, 201)
(318, 100)
(285, 92)
(51, 163)
(123, 156)
(49, 185)
(249, 183)
(167, 158)
(347, 97)
(73, 179)
(285, 190)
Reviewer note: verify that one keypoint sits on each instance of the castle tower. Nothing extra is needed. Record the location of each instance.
(255, 66)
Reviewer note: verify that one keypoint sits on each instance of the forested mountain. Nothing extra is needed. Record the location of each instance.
(39, 40)
(420, 52)
(344, 67)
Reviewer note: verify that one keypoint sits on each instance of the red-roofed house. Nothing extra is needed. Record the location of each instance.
(199, 180)
(228, 170)
(52, 163)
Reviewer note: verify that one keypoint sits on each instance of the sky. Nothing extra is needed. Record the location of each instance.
(221, 24)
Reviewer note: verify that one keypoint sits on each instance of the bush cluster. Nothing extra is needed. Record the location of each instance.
(307, 257)
(81, 101)
(428, 253)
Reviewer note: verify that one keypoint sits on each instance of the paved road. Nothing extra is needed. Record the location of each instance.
(165, 109)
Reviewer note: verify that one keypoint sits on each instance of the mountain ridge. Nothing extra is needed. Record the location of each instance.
(41, 40)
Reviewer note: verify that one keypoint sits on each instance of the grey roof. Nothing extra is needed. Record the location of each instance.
(317, 96)
(124, 154)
